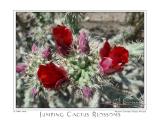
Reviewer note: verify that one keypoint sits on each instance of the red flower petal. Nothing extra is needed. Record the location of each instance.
(51, 76)
(119, 56)
(63, 38)
(107, 67)
(105, 50)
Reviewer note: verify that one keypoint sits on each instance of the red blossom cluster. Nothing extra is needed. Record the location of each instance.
(51, 75)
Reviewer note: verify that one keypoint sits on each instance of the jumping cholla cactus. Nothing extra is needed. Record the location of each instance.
(79, 72)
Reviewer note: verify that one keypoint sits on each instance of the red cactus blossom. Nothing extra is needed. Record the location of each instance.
(21, 67)
(51, 76)
(34, 48)
(63, 39)
(113, 60)
(83, 43)
(46, 53)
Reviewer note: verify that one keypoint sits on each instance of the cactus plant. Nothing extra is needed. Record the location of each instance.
(71, 70)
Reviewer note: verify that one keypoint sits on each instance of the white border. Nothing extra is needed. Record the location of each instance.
(80, 109)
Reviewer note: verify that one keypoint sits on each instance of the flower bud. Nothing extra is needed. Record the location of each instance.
(46, 53)
(83, 43)
(87, 91)
(21, 67)
(34, 91)
(34, 48)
